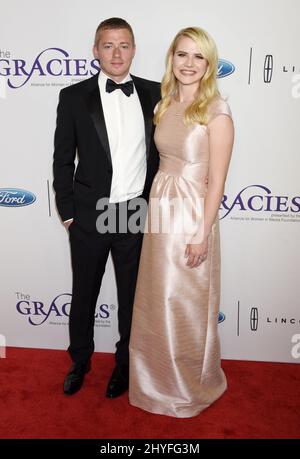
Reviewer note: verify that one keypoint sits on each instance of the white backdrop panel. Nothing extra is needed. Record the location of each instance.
(259, 217)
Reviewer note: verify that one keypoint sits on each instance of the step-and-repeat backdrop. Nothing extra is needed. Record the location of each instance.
(45, 46)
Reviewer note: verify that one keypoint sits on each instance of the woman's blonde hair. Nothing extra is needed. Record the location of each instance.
(197, 111)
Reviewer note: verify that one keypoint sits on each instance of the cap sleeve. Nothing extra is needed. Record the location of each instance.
(218, 107)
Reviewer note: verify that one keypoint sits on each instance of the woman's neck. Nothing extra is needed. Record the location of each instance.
(186, 93)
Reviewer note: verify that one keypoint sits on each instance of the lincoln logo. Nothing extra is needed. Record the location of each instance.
(254, 319)
(268, 68)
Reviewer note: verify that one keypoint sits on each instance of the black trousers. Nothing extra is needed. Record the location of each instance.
(89, 253)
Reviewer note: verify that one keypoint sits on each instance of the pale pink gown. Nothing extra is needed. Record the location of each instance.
(175, 366)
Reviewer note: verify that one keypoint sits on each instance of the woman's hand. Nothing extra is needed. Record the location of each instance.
(196, 253)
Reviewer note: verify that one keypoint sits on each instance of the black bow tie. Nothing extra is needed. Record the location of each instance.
(127, 87)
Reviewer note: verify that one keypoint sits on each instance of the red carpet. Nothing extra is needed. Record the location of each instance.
(262, 401)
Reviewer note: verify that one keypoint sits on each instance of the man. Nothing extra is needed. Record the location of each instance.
(107, 119)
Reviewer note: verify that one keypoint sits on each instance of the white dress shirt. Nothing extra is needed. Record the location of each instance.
(126, 135)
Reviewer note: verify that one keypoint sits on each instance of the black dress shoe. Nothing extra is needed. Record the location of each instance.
(75, 377)
(119, 382)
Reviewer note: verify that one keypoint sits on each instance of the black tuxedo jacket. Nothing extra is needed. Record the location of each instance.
(81, 129)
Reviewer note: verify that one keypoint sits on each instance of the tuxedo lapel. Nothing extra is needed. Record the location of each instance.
(96, 112)
(145, 101)
(95, 109)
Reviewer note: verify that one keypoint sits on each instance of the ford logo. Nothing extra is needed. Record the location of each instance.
(225, 68)
(221, 317)
(15, 197)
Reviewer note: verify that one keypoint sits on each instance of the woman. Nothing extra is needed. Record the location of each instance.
(174, 348)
